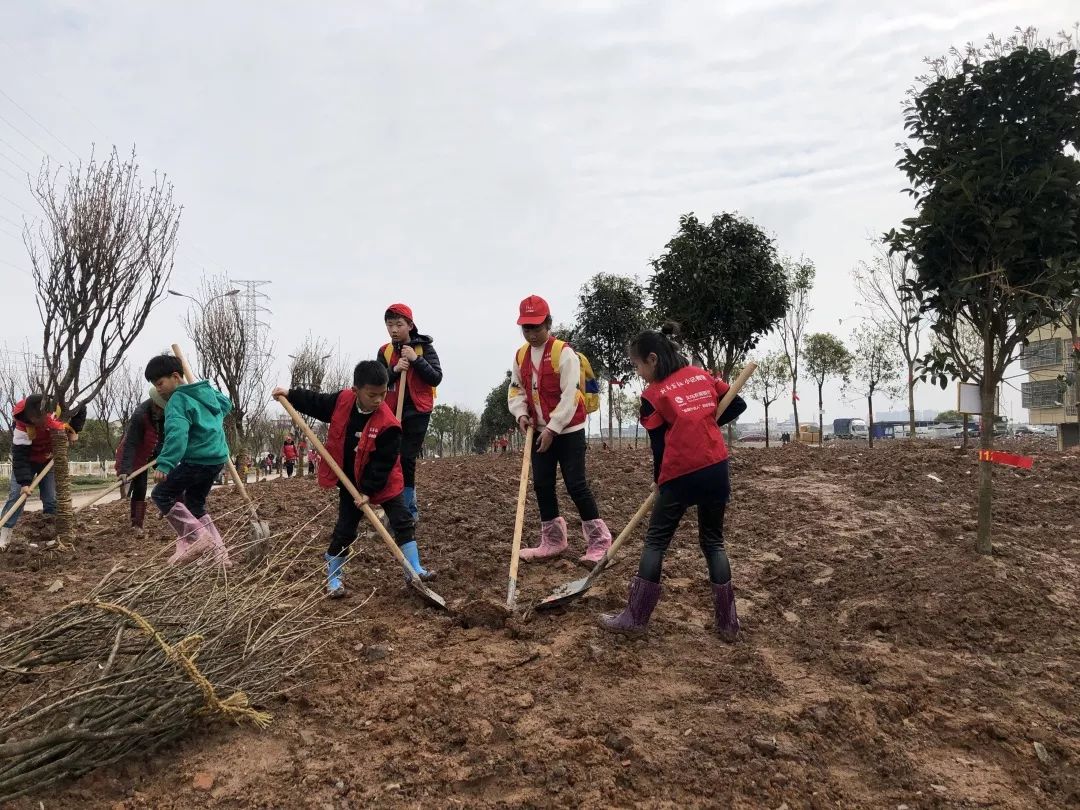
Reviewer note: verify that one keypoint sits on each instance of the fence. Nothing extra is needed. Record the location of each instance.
(99, 469)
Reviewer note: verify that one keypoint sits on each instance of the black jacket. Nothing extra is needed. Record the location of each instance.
(380, 464)
(427, 366)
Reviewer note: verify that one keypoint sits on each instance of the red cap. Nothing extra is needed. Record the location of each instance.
(402, 310)
(533, 311)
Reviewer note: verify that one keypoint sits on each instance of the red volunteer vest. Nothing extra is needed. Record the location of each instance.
(686, 402)
(379, 421)
(40, 439)
(145, 448)
(289, 451)
(422, 394)
(549, 385)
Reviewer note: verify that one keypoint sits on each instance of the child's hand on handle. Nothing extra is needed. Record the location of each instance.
(408, 353)
(524, 423)
(24, 491)
(403, 364)
(280, 392)
(543, 443)
(362, 501)
(159, 476)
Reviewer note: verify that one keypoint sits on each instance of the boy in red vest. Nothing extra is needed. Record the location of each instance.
(548, 399)
(690, 467)
(364, 439)
(415, 354)
(142, 440)
(31, 450)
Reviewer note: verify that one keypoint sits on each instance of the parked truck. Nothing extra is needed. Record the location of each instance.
(853, 428)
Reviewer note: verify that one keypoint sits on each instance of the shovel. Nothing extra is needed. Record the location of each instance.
(22, 498)
(415, 582)
(123, 480)
(519, 521)
(260, 530)
(572, 590)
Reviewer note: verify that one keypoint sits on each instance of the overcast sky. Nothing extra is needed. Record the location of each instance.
(459, 156)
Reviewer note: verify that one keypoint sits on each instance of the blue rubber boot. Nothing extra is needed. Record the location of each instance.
(412, 554)
(335, 586)
(410, 502)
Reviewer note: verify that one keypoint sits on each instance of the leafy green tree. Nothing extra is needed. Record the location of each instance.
(496, 420)
(826, 356)
(723, 284)
(769, 383)
(996, 184)
(949, 416)
(875, 366)
(611, 312)
(800, 276)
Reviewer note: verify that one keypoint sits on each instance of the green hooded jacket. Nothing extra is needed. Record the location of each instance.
(193, 427)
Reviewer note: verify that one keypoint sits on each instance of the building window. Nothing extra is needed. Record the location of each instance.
(1042, 354)
(1044, 394)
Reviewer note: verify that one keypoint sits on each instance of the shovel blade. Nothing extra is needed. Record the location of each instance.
(565, 593)
(426, 593)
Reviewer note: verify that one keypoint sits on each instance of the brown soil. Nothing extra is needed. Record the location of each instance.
(883, 662)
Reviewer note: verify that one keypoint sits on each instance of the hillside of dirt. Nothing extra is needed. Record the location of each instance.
(883, 663)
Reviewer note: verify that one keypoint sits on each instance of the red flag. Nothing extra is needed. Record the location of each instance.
(1008, 459)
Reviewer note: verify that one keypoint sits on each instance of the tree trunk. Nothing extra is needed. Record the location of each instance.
(870, 424)
(821, 414)
(611, 414)
(911, 398)
(988, 393)
(65, 514)
(964, 428)
(766, 425)
(795, 405)
(637, 430)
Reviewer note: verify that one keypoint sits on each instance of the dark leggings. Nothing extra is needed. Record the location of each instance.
(567, 452)
(350, 515)
(413, 430)
(666, 514)
(137, 487)
(188, 482)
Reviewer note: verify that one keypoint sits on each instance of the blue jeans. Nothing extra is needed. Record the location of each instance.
(47, 490)
(188, 482)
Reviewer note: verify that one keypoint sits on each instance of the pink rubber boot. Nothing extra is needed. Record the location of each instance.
(597, 539)
(221, 552)
(552, 541)
(191, 539)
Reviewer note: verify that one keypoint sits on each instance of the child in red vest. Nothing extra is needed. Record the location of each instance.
(548, 399)
(364, 439)
(31, 449)
(142, 440)
(415, 354)
(690, 467)
(288, 452)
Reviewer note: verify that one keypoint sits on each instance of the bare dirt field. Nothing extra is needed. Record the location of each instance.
(883, 663)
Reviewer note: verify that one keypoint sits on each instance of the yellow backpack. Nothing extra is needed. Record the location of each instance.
(588, 385)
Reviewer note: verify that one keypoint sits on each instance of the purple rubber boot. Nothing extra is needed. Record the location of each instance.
(221, 553)
(639, 607)
(552, 541)
(727, 619)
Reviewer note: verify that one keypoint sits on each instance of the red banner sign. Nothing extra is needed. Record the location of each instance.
(1008, 459)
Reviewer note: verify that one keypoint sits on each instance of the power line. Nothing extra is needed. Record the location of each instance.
(47, 130)
(13, 149)
(14, 163)
(25, 211)
(27, 137)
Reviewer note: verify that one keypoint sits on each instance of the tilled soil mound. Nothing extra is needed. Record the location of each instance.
(883, 663)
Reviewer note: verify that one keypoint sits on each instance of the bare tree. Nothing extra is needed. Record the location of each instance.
(768, 383)
(102, 256)
(231, 353)
(876, 366)
(119, 397)
(800, 276)
(882, 284)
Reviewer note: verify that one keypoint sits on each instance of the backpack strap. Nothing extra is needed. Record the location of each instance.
(388, 352)
(521, 354)
(556, 353)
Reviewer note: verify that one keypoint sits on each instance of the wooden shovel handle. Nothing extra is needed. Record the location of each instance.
(369, 513)
(609, 555)
(233, 474)
(123, 479)
(401, 393)
(519, 518)
(22, 498)
(735, 388)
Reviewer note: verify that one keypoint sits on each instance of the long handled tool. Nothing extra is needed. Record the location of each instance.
(22, 498)
(414, 579)
(401, 394)
(123, 480)
(260, 530)
(519, 521)
(572, 590)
